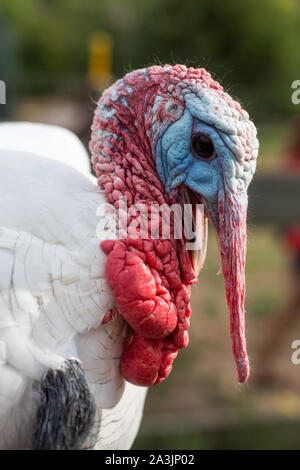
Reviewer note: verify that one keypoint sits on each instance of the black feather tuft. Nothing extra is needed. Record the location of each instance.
(67, 409)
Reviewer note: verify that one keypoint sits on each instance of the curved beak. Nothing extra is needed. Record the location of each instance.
(195, 217)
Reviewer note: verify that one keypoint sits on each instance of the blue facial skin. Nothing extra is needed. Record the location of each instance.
(176, 163)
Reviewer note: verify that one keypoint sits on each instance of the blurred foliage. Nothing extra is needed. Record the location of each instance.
(252, 45)
(248, 435)
(7, 66)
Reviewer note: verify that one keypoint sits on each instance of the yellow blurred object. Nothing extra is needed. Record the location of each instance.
(287, 404)
(100, 59)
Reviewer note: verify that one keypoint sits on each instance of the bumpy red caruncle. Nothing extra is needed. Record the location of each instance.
(149, 278)
(154, 302)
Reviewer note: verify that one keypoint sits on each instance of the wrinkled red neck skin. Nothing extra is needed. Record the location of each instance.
(232, 209)
(148, 286)
(150, 279)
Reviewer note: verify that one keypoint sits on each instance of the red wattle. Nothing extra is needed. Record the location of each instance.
(158, 316)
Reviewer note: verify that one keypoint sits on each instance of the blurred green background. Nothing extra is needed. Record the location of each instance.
(252, 47)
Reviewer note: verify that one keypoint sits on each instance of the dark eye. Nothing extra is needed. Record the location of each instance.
(203, 147)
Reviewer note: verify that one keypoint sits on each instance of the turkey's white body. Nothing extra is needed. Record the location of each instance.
(47, 141)
(54, 295)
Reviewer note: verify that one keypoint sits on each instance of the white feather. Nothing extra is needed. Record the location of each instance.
(54, 295)
(45, 140)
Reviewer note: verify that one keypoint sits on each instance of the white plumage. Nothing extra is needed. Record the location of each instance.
(53, 292)
(47, 141)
